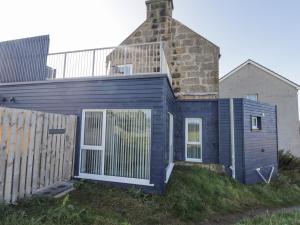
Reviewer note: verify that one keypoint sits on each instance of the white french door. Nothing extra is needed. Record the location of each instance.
(92, 142)
(193, 139)
(115, 145)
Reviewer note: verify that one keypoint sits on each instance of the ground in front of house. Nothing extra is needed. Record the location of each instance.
(292, 218)
(194, 194)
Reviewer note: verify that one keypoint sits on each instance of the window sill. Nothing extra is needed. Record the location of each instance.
(256, 130)
(123, 180)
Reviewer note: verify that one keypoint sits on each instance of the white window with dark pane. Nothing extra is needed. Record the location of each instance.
(193, 139)
(115, 145)
(253, 97)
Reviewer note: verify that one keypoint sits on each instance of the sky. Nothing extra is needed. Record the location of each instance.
(267, 31)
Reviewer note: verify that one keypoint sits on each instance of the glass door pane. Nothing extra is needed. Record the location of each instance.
(92, 142)
(127, 148)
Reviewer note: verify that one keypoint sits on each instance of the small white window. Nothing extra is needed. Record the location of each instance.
(193, 139)
(256, 123)
(124, 69)
(253, 97)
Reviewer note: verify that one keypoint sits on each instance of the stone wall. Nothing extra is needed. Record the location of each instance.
(192, 59)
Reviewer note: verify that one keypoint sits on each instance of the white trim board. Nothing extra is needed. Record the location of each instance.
(249, 61)
(115, 179)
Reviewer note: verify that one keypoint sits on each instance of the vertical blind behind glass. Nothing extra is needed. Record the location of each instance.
(93, 128)
(127, 147)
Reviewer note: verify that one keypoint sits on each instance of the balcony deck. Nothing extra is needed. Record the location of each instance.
(124, 60)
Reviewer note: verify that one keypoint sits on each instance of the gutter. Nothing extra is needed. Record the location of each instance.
(232, 138)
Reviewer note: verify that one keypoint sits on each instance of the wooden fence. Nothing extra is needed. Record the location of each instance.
(36, 150)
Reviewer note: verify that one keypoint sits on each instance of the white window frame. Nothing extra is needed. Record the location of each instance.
(136, 181)
(254, 123)
(171, 148)
(249, 96)
(92, 147)
(187, 122)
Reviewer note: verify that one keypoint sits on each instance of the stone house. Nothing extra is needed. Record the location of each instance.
(134, 121)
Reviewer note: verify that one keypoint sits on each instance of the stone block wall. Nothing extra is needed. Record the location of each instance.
(192, 59)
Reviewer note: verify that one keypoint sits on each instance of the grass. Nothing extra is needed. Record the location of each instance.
(192, 195)
(276, 219)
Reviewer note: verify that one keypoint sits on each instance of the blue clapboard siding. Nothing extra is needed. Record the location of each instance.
(260, 147)
(224, 134)
(70, 97)
(248, 144)
(24, 59)
(208, 111)
(239, 140)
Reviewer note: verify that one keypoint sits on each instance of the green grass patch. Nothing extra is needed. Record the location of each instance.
(276, 219)
(193, 194)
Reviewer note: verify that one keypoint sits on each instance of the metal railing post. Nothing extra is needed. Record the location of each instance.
(93, 64)
(65, 62)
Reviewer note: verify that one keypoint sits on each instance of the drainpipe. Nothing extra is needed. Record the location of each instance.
(232, 142)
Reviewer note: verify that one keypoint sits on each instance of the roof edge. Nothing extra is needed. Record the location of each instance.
(269, 71)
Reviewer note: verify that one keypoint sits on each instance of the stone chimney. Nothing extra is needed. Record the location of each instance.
(193, 60)
(159, 8)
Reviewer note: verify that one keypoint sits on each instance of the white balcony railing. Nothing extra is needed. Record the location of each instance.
(148, 58)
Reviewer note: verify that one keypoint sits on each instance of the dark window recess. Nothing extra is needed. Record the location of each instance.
(256, 122)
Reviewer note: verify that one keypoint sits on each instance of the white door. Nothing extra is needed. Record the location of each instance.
(92, 142)
(193, 139)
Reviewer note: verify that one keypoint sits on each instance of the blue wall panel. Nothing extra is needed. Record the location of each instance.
(239, 140)
(260, 147)
(71, 97)
(253, 149)
(208, 111)
(155, 93)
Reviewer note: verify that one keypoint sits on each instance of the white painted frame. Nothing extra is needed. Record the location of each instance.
(187, 122)
(143, 182)
(249, 97)
(90, 147)
(254, 123)
(171, 147)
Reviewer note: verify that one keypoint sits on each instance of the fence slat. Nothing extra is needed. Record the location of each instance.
(37, 150)
(49, 144)
(53, 148)
(44, 151)
(57, 149)
(5, 125)
(69, 146)
(10, 156)
(62, 149)
(73, 146)
(30, 154)
(24, 154)
(16, 172)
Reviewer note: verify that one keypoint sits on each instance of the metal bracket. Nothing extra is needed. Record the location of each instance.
(266, 180)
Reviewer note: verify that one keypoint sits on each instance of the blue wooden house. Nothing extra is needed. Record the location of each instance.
(133, 125)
